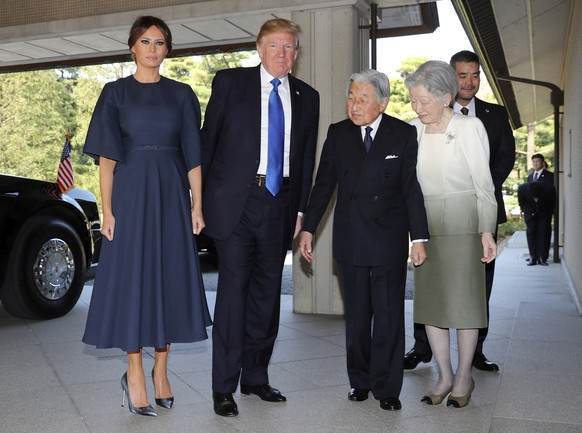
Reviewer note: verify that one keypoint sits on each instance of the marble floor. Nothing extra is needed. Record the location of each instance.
(51, 382)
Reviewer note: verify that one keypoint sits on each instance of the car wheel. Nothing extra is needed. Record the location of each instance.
(46, 271)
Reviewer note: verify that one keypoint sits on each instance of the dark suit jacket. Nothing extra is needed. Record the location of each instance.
(536, 199)
(231, 146)
(501, 145)
(379, 199)
(546, 176)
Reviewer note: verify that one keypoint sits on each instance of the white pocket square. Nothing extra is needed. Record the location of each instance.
(391, 156)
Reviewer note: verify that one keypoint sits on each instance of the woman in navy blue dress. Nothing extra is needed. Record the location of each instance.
(148, 291)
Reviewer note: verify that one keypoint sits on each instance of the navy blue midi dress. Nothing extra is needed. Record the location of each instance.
(148, 290)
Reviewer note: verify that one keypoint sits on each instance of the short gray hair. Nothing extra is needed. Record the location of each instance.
(437, 77)
(377, 79)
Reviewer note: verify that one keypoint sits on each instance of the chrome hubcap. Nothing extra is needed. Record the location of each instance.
(54, 269)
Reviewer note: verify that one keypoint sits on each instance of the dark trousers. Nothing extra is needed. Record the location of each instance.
(539, 234)
(374, 315)
(421, 344)
(248, 298)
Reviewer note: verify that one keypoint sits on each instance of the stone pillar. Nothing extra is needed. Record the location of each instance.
(333, 47)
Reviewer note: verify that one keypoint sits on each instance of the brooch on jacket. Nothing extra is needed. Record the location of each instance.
(449, 138)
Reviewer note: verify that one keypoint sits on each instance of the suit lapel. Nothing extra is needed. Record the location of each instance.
(481, 110)
(295, 96)
(253, 96)
(354, 144)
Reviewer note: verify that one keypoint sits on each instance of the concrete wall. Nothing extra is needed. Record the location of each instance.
(334, 49)
(571, 161)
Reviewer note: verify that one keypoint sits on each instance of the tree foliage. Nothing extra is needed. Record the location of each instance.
(198, 71)
(35, 112)
(399, 105)
(38, 108)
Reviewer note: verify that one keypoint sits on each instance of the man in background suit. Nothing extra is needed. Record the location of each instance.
(501, 160)
(371, 158)
(253, 198)
(539, 172)
(537, 199)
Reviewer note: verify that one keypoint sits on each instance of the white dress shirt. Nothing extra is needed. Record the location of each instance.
(375, 125)
(284, 94)
(471, 106)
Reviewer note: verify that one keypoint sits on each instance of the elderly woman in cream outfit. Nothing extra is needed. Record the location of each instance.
(453, 171)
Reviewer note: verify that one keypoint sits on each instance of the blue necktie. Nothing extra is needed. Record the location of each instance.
(276, 140)
(368, 138)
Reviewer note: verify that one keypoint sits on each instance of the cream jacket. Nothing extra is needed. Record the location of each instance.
(464, 201)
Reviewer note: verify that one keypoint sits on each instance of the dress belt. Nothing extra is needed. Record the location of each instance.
(153, 147)
(467, 193)
(261, 180)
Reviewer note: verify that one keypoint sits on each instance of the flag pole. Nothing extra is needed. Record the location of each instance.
(65, 172)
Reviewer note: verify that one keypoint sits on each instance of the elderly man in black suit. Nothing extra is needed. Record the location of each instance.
(501, 160)
(258, 153)
(537, 199)
(371, 158)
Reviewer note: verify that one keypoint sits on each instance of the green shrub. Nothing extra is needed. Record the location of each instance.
(513, 224)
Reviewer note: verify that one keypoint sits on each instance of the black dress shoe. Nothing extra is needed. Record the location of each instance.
(356, 394)
(390, 403)
(532, 262)
(483, 364)
(224, 404)
(543, 263)
(265, 392)
(413, 358)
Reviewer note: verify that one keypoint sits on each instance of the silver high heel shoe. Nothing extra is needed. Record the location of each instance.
(145, 410)
(166, 402)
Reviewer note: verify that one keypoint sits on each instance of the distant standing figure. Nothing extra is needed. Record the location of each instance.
(540, 170)
(537, 199)
(148, 291)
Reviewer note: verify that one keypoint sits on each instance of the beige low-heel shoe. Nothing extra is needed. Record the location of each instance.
(433, 399)
(463, 400)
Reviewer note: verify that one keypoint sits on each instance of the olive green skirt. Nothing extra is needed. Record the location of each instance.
(449, 288)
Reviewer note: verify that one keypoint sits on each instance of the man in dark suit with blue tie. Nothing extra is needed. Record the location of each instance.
(258, 151)
(537, 199)
(501, 160)
(371, 158)
(539, 171)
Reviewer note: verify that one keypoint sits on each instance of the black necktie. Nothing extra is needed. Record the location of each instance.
(465, 110)
(368, 139)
